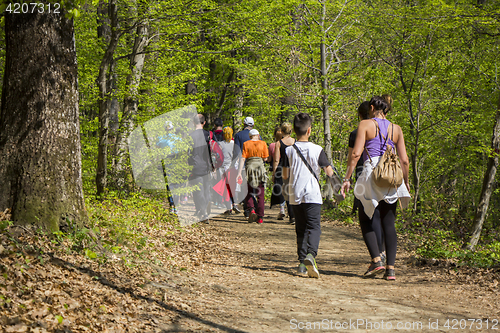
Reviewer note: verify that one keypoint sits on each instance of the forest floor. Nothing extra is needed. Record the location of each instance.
(232, 276)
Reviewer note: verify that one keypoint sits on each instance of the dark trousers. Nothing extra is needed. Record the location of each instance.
(370, 226)
(291, 215)
(384, 218)
(256, 194)
(201, 196)
(307, 228)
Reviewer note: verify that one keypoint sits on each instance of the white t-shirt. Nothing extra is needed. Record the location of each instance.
(303, 187)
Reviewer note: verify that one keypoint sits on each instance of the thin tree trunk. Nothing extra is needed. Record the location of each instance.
(104, 33)
(40, 168)
(415, 171)
(104, 100)
(487, 189)
(130, 103)
(326, 116)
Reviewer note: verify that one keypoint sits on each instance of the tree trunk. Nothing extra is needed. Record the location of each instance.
(326, 116)
(104, 100)
(415, 171)
(130, 103)
(40, 168)
(487, 189)
(239, 101)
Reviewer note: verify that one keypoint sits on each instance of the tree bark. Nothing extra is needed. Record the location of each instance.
(488, 181)
(327, 135)
(130, 103)
(40, 168)
(104, 100)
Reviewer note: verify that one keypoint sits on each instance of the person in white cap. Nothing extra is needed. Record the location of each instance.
(239, 139)
(242, 136)
(254, 154)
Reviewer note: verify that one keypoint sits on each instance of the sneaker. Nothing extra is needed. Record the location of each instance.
(281, 216)
(236, 210)
(302, 269)
(390, 275)
(173, 210)
(291, 221)
(252, 217)
(312, 268)
(260, 221)
(374, 269)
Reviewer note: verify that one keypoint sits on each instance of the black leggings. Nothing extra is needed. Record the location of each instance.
(383, 218)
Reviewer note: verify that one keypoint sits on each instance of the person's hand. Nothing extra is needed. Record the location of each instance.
(345, 187)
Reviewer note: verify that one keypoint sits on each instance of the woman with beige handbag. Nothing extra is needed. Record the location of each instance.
(379, 196)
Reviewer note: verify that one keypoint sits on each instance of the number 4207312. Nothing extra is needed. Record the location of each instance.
(33, 7)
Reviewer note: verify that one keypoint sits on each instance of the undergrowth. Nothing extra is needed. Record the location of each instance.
(431, 238)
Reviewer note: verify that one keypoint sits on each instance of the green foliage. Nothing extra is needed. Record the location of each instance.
(437, 59)
(122, 222)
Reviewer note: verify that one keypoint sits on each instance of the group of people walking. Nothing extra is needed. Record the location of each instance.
(295, 165)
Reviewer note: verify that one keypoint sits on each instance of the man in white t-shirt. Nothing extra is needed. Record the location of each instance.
(302, 168)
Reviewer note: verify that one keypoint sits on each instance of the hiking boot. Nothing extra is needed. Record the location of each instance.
(252, 217)
(281, 216)
(236, 210)
(374, 269)
(302, 269)
(291, 221)
(206, 221)
(390, 275)
(228, 212)
(260, 221)
(312, 268)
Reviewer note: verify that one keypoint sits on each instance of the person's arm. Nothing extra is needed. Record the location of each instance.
(352, 142)
(403, 157)
(240, 165)
(328, 170)
(355, 154)
(324, 163)
(276, 156)
(285, 168)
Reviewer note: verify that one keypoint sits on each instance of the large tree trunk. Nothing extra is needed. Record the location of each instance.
(105, 101)
(130, 103)
(40, 168)
(487, 189)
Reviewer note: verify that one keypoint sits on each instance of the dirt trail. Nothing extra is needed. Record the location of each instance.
(252, 287)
